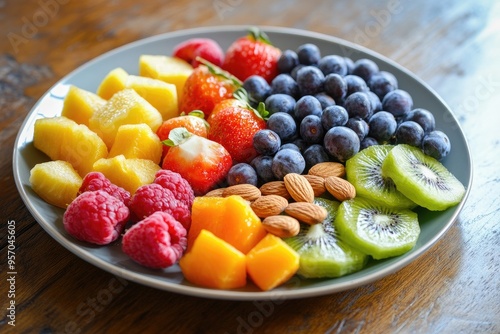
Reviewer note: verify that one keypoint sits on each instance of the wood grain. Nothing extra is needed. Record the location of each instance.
(452, 288)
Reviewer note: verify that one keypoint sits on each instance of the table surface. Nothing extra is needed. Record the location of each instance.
(453, 288)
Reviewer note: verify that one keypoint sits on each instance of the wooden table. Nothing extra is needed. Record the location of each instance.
(453, 288)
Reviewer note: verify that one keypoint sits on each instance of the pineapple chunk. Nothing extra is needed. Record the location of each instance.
(129, 174)
(125, 107)
(63, 139)
(112, 83)
(137, 141)
(56, 182)
(169, 69)
(80, 105)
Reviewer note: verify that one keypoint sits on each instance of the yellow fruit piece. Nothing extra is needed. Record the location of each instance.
(56, 182)
(125, 107)
(161, 95)
(271, 262)
(112, 83)
(129, 174)
(214, 263)
(137, 141)
(63, 139)
(80, 105)
(230, 218)
(169, 69)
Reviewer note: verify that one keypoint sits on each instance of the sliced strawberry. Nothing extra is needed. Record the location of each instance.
(205, 48)
(202, 162)
(252, 55)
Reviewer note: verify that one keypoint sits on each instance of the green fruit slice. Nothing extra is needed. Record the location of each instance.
(364, 171)
(422, 178)
(322, 251)
(377, 230)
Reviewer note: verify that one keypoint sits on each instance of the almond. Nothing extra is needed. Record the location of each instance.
(269, 205)
(340, 188)
(298, 187)
(326, 169)
(247, 191)
(308, 213)
(275, 188)
(282, 226)
(317, 183)
(215, 193)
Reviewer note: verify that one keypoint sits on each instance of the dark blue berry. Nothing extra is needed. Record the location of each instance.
(296, 69)
(359, 126)
(283, 124)
(307, 105)
(366, 142)
(398, 102)
(349, 65)
(287, 61)
(334, 116)
(423, 117)
(332, 64)
(315, 154)
(382, 83)
(436, 144)
(263, 167)
(310, 80)
(325, 100)
(335, 86)
(382, 126)
(257, 88)
(358, 104)
(280, 103)
(365, 68)
(355, 84)
(375, 101)
(308, 54)
(342, 143)
(284, 84)
(290, 146)
(287, 161)
(311, 129)
(410, 132)
(242, 173)
(266, 142)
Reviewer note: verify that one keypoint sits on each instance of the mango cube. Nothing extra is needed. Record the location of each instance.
(112, 83)
(80, 105)
(137, 141)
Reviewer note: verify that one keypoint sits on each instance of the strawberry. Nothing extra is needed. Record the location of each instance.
(202, 162)
(205, 48)
(207, 86)
(252, 55)
(194, 122)
(233, 124)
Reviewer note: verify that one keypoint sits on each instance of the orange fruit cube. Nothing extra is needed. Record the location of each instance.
(79, 105)
(137, 141)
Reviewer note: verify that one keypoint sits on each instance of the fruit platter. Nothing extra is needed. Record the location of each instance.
(243, 163)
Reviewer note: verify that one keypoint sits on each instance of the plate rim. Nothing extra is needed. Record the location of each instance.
(192, 290)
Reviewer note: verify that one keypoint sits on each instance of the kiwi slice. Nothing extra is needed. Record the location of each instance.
(377, 230)
(422, 178)
(322, 251)
(364, 171)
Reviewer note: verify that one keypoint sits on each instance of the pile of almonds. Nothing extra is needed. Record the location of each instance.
(294, 196)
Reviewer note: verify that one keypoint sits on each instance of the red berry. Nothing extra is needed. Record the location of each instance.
(157, 241)
(96, 217)
(151, 198)
(205, 48)
(177, 185)
(97, 181)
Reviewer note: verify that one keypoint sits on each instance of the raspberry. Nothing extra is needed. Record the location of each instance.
(157, 241)
(96, 217)
(153, 197)
(177, 184)
(97, 181)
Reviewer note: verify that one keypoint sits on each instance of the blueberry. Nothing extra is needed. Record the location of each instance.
(293, 74)
(315, 154)
(423, 117)
(375, 101)
(349, 65)
(280, 103)
(262, 165)
(307, 105)
(308, 54)
(257, 88)
(283, 124)
(410, 132)
(325, 100)
(436, 144)
(301, 144)
(242, 173)
(367, 141)
(382, 83)
(342, 143)
(287, 61)
(335, 86)
(334, 116)
(332, 64)
(382, 126)
(355, 84)
(398, 102)
(284, 84)
(365, 68)
(266, 142)
(311, 129)
(358, 104)
(310, 80)
(359, 126)
(290, 146)
(287, 161)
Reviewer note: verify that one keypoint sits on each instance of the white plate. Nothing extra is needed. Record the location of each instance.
(111, 258)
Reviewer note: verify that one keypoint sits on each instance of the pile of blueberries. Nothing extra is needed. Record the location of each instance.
(328, 108)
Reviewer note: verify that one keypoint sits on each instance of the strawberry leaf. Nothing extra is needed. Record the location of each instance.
(197, 113)
(241, 95)
(258, 35)
(177, 136)
(217, 71)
